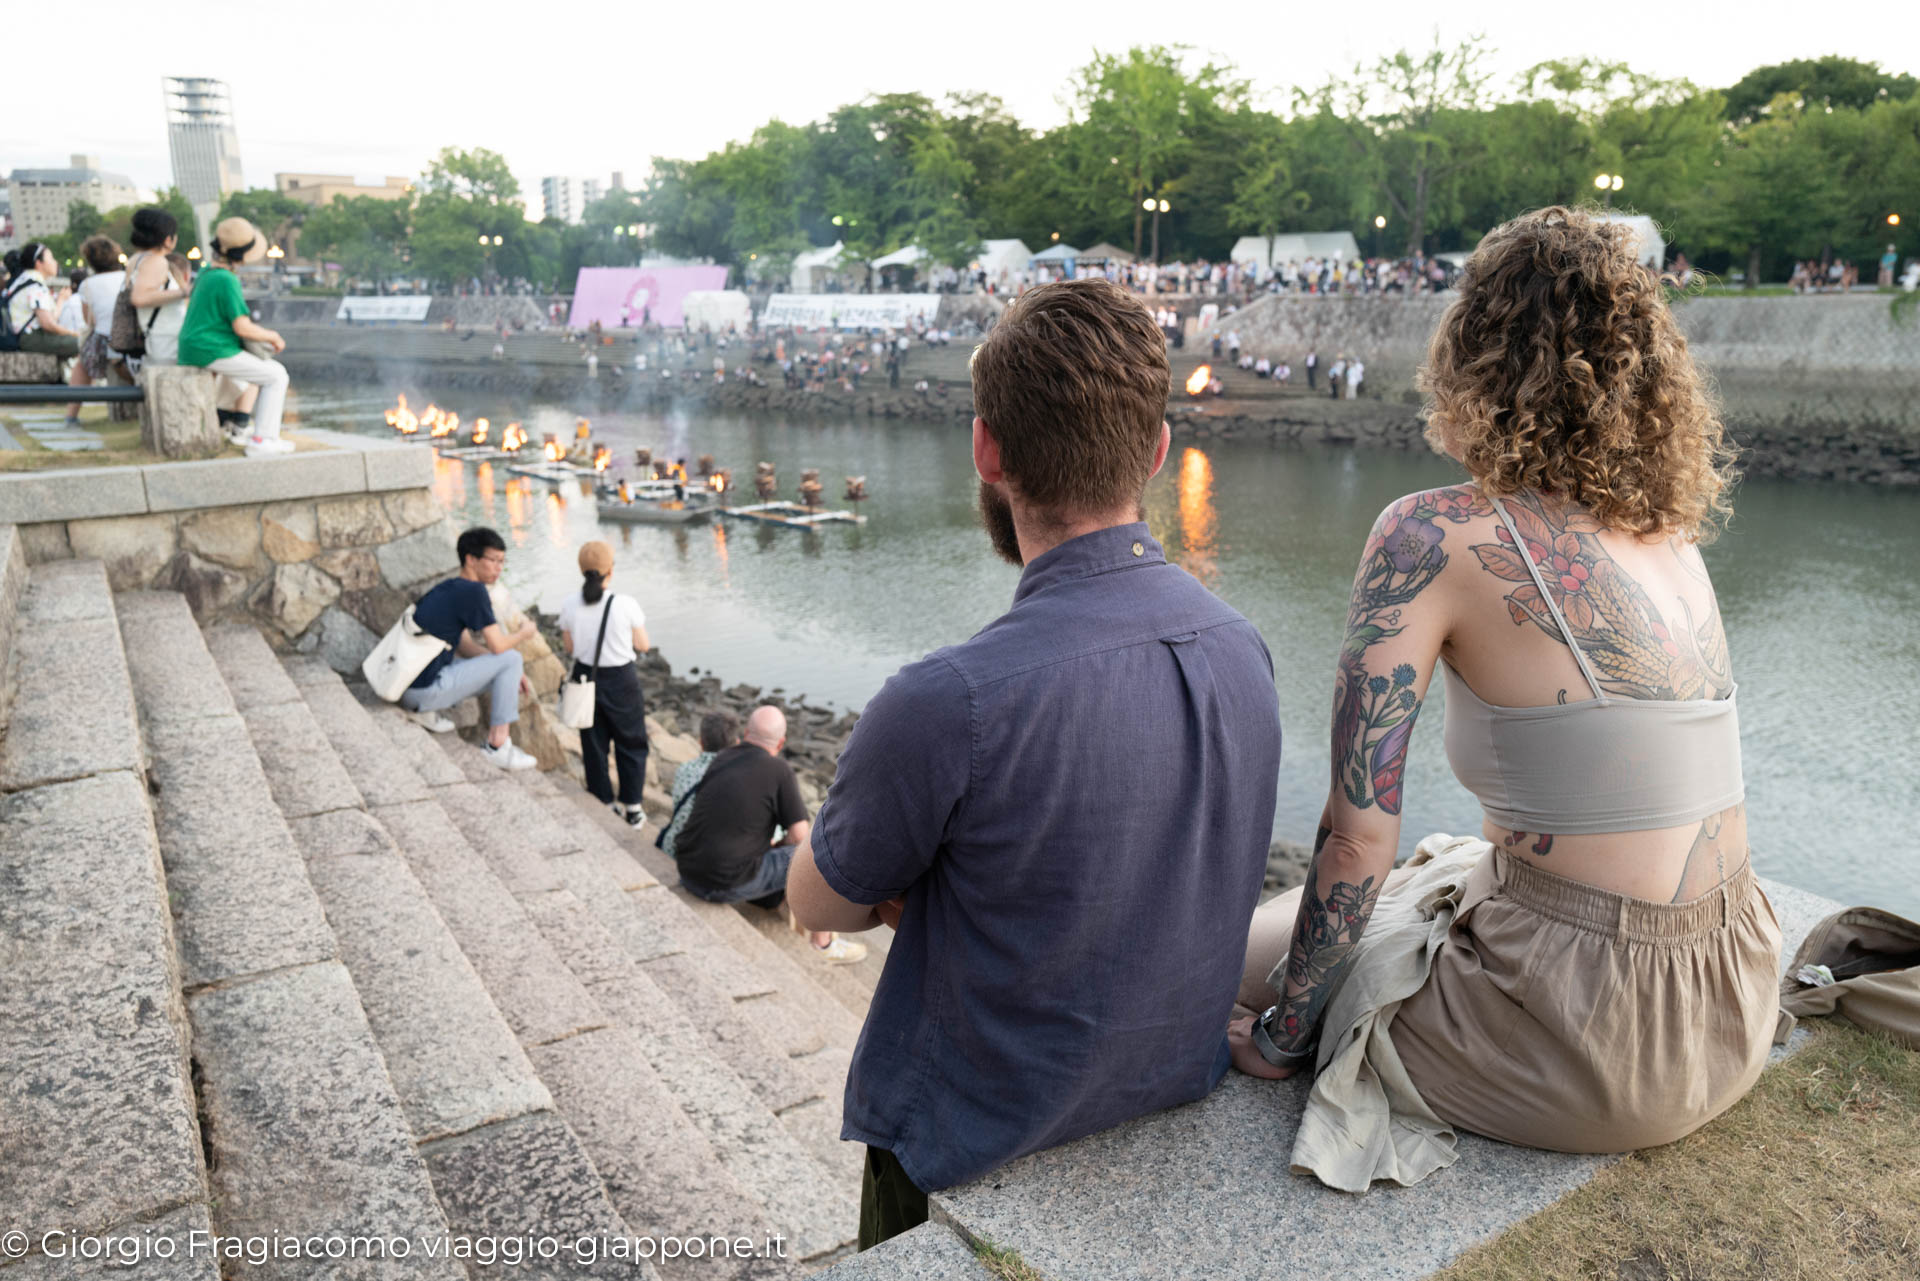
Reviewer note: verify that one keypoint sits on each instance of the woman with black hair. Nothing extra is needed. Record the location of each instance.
(158, 296)
(32, 314)
(604, 633)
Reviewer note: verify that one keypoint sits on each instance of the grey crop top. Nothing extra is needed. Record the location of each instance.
(1599, 765)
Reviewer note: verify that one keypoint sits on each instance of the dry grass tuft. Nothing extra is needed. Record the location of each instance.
(1814, 1176)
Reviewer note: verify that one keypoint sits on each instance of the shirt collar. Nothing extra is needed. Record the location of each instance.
(1101, 552)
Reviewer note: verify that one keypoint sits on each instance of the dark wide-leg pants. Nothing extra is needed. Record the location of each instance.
(619, 724)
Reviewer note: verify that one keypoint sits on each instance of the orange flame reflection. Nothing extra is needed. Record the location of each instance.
(602, 458)
(1198, 520)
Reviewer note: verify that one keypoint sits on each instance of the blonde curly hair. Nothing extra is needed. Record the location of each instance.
(1560, 369)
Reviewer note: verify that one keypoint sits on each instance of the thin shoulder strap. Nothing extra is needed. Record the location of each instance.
(1566, 632)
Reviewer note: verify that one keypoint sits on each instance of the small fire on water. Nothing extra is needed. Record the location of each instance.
(553, 451)
(513, 437)
(1198, 380)
(480, 427)
(719, 480)
(402, 419)
(602, 457)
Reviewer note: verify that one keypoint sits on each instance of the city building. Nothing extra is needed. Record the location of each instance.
(619, 181)
(556, 198)
(320, 188)
(40, 196)
(590, 191)
(200, 135)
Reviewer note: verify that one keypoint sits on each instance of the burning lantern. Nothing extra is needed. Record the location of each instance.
(643, 458)
(602, 458)
(1198, 380)
(480, 426)
(704, 465)
(445, 425)
(402, 419)
(582, 429)
(513, 438)
(810, 488)
(856, 489)
(720, 480)
(765, 483)
(550, 448)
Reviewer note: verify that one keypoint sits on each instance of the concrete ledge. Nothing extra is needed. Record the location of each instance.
(28, 498)
(1205, 1190)
(930, 1252)
(227, 482)
(389, 464)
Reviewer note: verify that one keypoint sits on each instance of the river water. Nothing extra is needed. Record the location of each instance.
(1819, 586)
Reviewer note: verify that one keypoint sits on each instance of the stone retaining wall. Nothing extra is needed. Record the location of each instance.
(322, 548)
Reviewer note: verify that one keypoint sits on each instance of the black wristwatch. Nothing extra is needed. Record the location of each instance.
(1273, 1054)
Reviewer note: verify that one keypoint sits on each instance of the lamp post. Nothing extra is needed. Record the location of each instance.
(1156, 208)
(1606, 184)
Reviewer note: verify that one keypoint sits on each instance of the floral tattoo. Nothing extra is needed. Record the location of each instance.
(1634, 652)
(1373, 713)
(1324, 937)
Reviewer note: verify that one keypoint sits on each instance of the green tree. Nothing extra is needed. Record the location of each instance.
(83, 220)
(367, 237)
(1771, 191)
(1415, 121)
(277, 215)
(1266, 200)
(1831, 81)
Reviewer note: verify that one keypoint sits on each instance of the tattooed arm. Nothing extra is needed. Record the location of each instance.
(1396, 621)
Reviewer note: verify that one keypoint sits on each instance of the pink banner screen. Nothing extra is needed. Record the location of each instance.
(634, 295)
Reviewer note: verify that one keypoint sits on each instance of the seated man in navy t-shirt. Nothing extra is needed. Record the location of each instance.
(1066, 817)
(456, 611)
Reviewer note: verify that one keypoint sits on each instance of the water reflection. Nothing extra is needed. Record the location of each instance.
(1197, 517)
(720, 550)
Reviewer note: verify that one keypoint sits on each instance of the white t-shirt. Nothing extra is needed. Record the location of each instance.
(71, 318)
(26, 295)
(581, 622)
(99, 292)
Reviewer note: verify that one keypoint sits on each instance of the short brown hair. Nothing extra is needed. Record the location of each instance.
(1073, 382)
(719, 731)
(101, 253)
(1561, 369)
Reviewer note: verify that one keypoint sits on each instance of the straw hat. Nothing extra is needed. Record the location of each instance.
(596, 557)
(232, 233)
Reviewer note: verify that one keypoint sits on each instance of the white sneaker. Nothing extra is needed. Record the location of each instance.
(841, 952)
(508, 756)
(260, 446)
(432, 722)
(240, 437)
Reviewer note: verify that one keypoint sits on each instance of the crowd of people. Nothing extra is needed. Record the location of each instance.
(124, 313)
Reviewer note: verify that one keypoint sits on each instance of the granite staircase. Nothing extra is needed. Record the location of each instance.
(296, 968)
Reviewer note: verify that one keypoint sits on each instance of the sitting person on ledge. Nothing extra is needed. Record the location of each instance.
(725, 848)
(1066, 818)
(456, 611)
(1596, 970)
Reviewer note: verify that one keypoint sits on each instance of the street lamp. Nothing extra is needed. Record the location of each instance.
(497, 240)
(1607, 184)
(1156, 208)
(1893, 220)
(1380, 222)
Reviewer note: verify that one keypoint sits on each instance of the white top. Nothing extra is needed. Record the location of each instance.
(26, 294)
(581, 622)
(72, 319)
(99, 291)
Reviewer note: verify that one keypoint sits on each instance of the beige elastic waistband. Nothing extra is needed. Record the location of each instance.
(1619, 916)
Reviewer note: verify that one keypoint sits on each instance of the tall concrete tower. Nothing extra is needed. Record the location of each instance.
(205, 148)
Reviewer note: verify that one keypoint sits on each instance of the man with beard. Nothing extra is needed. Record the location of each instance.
(1066, 818)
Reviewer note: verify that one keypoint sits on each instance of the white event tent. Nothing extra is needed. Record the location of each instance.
(1295, 247)
(1001, 258)
(1650, 246)
(812, 268)
(911, 256)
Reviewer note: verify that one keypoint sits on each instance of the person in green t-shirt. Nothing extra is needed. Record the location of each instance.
(215, 335)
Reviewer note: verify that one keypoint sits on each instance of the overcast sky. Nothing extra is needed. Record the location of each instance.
(369, 87)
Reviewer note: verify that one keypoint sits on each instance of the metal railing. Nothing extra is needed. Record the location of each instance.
(61, 394)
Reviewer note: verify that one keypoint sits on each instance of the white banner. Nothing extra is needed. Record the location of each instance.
(411, 307)
(848, 311)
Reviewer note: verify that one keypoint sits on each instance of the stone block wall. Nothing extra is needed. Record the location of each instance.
(324, 575)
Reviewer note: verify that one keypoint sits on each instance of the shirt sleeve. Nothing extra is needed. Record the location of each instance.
(636, 617)
(900, 785)
(479, 610)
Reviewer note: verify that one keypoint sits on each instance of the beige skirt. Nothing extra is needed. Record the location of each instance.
(1553, 1014)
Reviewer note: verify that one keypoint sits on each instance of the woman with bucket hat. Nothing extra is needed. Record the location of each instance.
(220, 334)
(604, 632)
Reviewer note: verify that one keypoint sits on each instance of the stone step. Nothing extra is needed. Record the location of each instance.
(241, 899)
(305, 1133)
(72, 713)
(94, 1085)
(253, 673)
(660, 1172)
(930, 1252)
(454, 1062)
(1189, 1190)
(13, 585)
(529, 1179)
(182, 1234)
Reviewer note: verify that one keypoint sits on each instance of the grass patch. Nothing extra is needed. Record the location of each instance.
(1811, 1177)
(1004, 1264)
(122, 441)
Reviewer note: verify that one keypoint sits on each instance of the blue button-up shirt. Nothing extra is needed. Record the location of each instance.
(1076, 805)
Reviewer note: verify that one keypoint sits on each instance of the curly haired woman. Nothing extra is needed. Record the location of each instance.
(1594, 972)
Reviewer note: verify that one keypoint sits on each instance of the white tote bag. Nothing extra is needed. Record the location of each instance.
(577, 693)
(402, 654)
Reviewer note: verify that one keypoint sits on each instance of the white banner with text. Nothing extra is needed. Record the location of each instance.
(410, 307)
(848, 311)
